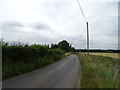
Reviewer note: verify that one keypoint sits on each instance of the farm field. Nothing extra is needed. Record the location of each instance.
(112, 55)
(98, 70)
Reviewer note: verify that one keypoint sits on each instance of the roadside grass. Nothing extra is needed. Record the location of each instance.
(98, 71)
(112, 55)
(12, 70)
(67, 54)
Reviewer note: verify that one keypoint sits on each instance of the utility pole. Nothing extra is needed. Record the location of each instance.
(87, 38)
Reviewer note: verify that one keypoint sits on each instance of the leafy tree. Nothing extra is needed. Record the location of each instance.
(73, 49)
(64, 45)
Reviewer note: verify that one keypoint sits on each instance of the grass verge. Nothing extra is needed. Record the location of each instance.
(12, 70)
(98, 71)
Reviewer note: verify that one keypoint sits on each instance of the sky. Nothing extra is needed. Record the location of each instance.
(51, 21)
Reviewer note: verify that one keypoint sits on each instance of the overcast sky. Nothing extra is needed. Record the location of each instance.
(50, 21)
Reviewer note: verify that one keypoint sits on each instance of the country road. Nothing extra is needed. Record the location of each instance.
(61, 74)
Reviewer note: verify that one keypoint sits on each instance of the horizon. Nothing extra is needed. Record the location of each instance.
(23, 42)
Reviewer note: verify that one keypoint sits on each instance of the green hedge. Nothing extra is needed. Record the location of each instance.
(14, 54)
(17, 60)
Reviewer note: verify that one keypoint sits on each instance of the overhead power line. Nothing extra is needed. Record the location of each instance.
(83, 32)
(81, 10)
(86, 24)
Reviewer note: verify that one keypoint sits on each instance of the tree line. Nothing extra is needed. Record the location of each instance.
(15, 52)
(63, 45)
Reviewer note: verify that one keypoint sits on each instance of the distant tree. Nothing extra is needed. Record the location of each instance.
(73, 49)
(6, 44)
(54, 46)
(64, 45)
(47, 45)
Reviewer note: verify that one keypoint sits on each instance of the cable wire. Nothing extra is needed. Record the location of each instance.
(81, 10)
(83, 32)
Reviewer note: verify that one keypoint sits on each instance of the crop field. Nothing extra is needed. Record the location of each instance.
(112, 55)
(99, 70)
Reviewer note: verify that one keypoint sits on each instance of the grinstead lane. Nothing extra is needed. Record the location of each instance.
(61, 74)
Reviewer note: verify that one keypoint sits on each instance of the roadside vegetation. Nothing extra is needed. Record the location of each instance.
(19, 58)
(98, 71)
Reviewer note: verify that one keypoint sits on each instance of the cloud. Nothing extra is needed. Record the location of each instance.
(11, 26)
(41, 26)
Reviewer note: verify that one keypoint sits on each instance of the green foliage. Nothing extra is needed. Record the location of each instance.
(54, 46)
(64, 45)
(11, 70)
(21, 59)
(98, 71)
(55, 52)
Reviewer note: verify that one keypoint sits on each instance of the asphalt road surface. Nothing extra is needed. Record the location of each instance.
(61, 74)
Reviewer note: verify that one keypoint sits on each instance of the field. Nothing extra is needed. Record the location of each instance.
(112, 55)
(99, 70)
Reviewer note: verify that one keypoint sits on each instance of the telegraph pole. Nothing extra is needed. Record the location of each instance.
(87, 26)
(87, 38)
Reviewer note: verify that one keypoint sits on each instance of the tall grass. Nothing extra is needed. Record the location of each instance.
(98, 71)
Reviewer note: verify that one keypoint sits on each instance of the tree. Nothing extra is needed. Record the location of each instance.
(64, 45)
(73, 49)
(54, 46)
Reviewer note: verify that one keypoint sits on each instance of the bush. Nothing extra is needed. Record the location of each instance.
(55, 52)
